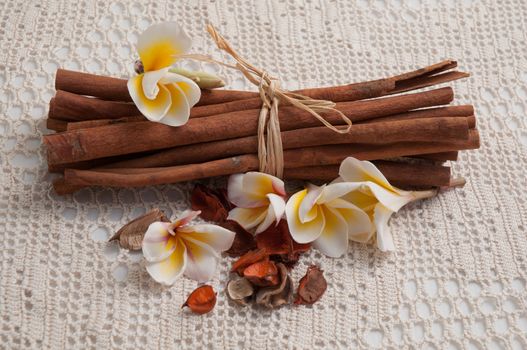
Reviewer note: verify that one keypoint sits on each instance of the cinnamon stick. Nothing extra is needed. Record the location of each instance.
(109, 88)
(398, 173)
(71, 107)
(101, 122)
(110, 140)
(225, 101)
(351, 92)
(442, 156)
(55, 124)
(385, 132)
(76, 179)
(449, 111)
(314, 156)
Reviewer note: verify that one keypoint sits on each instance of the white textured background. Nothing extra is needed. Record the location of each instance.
(458, 277)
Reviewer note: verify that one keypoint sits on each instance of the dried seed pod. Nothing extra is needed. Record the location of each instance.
(276, 296)
(249, 258)
(240, 290)
(131, 235)
(311, 287)
(205, 80)
(201, 300)
(262, 274)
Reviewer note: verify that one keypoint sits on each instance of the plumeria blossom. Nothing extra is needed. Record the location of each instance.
(320, 215)
(376, 197)
(259, 200)
(160, 95)
(176, 248)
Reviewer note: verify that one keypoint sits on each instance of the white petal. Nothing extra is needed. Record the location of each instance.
(337, 190)
(360, 228)
(150, 82)
(158, 243)
(217, 237)
(384, 236)
(333, 241)
(154, 109)
(391, 200)
(275, 211)
(248, 218)
(307, 210)
(179, 110)
(190, 88)
(302, 232)
(354, 170)
(365, 201)
(250, 190)
(168, 271)
(159, 43)
(185, 218)
(201, 260)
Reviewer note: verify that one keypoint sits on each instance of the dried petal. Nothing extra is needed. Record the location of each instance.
(201, 300)
(240, 290)
(276, 296)
(277, 240)
(131, 235)
(213, 204)
(249, 258)
(311, 287)
(262, 274)
(243, 241)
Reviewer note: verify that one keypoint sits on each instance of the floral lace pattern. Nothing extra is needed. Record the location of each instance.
(457, 278)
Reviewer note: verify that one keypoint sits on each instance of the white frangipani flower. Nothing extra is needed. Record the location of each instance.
(173, 249)
(376, 197)
(160, 95)
(259, 200)
(320, 215)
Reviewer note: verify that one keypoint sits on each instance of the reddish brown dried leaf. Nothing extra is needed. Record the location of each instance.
(243, 240)
(277, 240)
(201, 300)
(213, 204)
(311, 287)
(262, 274)
(249, 258)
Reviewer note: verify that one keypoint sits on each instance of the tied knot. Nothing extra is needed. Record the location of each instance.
(270, 150)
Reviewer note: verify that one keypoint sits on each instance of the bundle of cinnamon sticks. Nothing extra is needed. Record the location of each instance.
(103, 140)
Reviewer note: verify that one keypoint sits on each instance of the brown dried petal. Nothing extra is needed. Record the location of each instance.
(262, 273)
(276, 296)
(277, 240)
(201, 300)
(240, 290)
(131, 235)
(311, 287)
(213, 204)
(243, 240)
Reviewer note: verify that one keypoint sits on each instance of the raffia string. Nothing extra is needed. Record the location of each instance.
(270, 150)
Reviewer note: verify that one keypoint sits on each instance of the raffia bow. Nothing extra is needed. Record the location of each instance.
(270, 150)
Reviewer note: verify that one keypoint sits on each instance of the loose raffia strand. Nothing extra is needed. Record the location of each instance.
(270, 151)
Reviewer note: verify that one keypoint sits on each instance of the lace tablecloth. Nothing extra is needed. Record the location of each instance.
(458, 277)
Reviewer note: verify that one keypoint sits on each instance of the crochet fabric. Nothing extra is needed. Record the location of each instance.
(458, 277)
